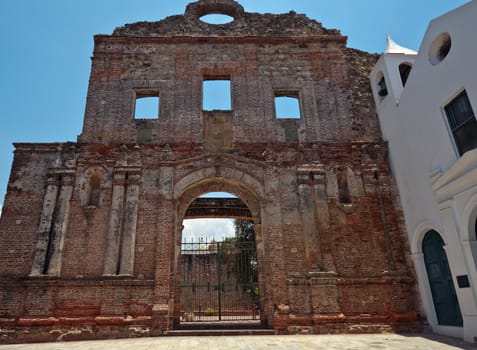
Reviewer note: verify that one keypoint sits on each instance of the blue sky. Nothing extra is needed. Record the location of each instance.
(46, 47)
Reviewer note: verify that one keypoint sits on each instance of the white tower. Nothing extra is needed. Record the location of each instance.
(390, 73)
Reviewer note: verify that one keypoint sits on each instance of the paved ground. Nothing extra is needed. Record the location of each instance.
(288, 342)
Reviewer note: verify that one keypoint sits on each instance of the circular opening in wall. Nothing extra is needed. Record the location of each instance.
(440, 48)
(216, 18)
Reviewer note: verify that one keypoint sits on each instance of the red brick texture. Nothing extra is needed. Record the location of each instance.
(79, 262)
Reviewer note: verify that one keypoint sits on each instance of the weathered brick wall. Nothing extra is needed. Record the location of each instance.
(114, 268)
(22, 207)
(327, 80)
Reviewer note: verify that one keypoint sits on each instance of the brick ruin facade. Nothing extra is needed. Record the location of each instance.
(90, 232)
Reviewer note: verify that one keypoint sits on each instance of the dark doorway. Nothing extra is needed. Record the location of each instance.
(440, 280)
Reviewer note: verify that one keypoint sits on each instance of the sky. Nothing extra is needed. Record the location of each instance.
(46, 45)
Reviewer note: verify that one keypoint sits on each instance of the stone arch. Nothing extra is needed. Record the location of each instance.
(225, 175)
(217, 184)
(226, 7)
(223, 179)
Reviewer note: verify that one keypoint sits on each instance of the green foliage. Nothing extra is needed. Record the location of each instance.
(244, 231)
(239, 254)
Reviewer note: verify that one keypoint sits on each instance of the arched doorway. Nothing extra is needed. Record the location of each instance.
(218, 278)
(442, 287)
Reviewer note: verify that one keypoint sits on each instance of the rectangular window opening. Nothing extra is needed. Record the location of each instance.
(462, 122)
(287, 105)
(147, 106)
(216, 94)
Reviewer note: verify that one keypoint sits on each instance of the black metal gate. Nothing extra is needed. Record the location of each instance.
(219, 281)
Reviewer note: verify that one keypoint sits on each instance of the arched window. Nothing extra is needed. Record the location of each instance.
(382, 88)
(404, 70)
(94, 190)
(443, 292)
(343, 188)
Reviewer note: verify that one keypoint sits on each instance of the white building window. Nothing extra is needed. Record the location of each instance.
(404, 70)
(462, 122)
(382, 88)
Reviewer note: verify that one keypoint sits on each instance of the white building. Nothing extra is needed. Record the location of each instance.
(427, 115)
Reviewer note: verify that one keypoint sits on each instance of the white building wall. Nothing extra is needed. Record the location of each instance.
(438, 188)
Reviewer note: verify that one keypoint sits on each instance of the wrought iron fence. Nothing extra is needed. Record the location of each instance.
(219, 281)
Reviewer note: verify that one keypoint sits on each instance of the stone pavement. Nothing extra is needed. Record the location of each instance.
(286, 342)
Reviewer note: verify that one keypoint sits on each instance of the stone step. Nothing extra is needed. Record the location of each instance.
(218, 332)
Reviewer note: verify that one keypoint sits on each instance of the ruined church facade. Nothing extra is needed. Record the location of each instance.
(91, 230)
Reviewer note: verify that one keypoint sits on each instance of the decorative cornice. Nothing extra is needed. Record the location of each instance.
(459, 177)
